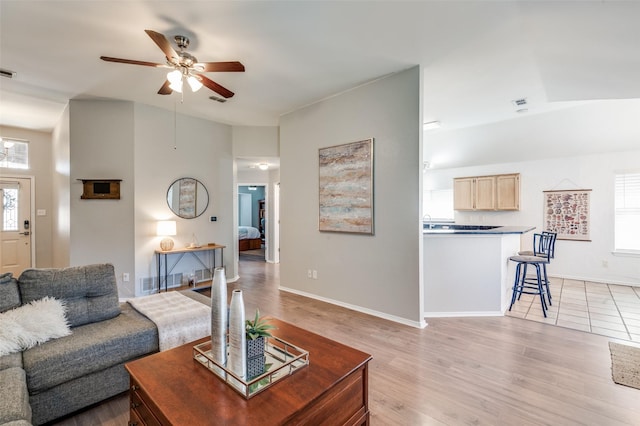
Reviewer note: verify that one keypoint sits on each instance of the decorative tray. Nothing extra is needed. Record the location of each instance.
(282, 359)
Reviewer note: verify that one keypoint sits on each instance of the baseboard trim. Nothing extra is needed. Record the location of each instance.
(400, 320)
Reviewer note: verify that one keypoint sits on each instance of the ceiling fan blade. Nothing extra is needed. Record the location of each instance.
(132, 61)
(162, 43)
(165, 89)
(215, 86)
(222, 66)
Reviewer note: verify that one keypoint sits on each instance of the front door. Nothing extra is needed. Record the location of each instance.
(15, 225)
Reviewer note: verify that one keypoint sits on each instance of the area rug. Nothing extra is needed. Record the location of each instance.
(625, 364)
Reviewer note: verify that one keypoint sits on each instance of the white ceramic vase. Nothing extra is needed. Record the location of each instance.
(219, 316)
(237, 361)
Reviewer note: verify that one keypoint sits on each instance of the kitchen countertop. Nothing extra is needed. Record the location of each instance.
(457, 229)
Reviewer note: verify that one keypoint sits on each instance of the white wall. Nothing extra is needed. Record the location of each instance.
(256, 141)
(61, 192)
(379, 274)
(40, 169)
(102, 147)
(203, 150)
(574, 259)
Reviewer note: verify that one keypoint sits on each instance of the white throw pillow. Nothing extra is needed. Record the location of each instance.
(31, 324)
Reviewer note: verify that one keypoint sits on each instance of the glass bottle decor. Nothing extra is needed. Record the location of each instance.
(219, 312)
(237, 361)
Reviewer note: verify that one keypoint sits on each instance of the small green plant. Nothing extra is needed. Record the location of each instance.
(258, 327)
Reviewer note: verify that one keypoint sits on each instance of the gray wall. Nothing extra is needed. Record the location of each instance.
(40, 169)
(379, 274)
(202, 150)
(102, 147)
(135, 143)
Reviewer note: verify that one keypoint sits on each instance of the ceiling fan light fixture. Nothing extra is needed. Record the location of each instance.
(174, 76)
(194, 83)
(176, 86)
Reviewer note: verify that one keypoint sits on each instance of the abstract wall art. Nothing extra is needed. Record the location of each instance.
(346, 188)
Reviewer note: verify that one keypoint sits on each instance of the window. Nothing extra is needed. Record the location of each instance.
(14, 154)
(438, 204)
(627, 205)
(9, 207)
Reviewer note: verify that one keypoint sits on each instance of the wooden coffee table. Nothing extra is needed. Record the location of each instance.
(171, 388)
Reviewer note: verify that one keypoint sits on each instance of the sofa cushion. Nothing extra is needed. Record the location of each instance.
(11, 360)
(9, 293)
(17, 423)
(90, 292)
(91, 347)
(14, 397)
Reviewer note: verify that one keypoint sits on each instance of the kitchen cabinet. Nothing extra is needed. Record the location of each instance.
(508, 192)
(494, 192)
(463, 194)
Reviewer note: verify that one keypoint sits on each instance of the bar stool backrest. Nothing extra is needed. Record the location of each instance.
(552, 243)
(543, 244)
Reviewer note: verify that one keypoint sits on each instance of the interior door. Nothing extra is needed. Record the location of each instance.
(16, 225)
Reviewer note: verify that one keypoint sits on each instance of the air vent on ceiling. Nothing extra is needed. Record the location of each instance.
(215, 98)
(7, 73)
(520, 102)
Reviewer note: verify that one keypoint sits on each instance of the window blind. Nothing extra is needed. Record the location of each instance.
(627, 212)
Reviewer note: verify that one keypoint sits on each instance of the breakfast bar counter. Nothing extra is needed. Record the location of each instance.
(466, 268)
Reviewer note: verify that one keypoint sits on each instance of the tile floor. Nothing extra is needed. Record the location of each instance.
(607, 309)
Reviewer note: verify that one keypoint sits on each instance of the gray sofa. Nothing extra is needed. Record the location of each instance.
(63, 375)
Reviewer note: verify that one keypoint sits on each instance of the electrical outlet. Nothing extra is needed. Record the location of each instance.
(315, 274)
(309, 273)
(605, 263)
(125, 277)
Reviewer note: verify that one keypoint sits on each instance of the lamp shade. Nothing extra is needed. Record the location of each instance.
(174, 76)
(166, 228)
(194, 83)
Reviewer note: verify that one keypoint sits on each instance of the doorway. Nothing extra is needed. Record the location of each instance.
(16, 231)
(252, 220)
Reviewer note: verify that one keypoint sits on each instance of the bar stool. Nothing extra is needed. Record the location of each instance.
(540, 284)
(543, 247)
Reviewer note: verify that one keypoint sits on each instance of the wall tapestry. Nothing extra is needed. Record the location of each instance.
(187, 198)
(346, 188)
(567, 213)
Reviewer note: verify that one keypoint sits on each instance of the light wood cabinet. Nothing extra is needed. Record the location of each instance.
(463, 194)
(508, 192)
(485, 193)
(495, 192)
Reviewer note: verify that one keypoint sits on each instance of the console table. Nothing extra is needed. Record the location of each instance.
(172, 388)
(209, 252)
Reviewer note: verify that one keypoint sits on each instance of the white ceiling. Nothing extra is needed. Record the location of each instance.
(477, 56)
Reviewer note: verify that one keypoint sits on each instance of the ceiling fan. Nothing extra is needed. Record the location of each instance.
(185, 67)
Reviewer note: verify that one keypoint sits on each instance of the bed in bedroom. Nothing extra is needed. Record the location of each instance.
(249, 238)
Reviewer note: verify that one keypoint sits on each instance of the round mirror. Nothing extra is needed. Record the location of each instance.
(187, 198)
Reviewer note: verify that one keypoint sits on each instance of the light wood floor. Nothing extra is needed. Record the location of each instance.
(456, 371)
